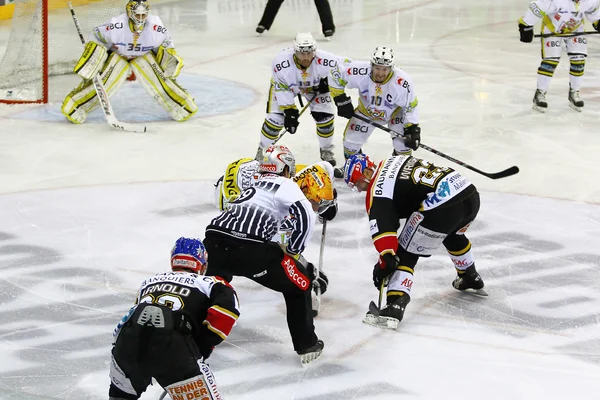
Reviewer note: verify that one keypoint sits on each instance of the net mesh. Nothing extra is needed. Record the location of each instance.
(22, 74)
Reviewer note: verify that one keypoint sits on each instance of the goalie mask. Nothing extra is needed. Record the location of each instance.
(317, 187)
(189, 255)
(358, 171)
(276, 159)
(382, 63)
(137, 11)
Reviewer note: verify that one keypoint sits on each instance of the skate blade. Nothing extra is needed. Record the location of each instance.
(308, 358)
(476, 292)
(574, 107)
(539, 109)
(380, 322)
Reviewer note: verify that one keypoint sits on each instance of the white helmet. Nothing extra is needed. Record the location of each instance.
(304, 43)
(275, 159)
(383, 56)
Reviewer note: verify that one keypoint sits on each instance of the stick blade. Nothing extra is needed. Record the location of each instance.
(504, 174)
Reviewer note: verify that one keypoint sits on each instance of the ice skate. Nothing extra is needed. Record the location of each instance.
(329, 34)
(390, 316)
(312, 353)
(470, 281)
(260, 30)
(539, 101)
(575, 101)
(327, 155)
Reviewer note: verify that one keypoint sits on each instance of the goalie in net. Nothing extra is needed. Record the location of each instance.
(133, 41)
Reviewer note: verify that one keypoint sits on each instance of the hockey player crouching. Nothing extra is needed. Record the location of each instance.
(439, 205)
(138, 41)
(178, 319)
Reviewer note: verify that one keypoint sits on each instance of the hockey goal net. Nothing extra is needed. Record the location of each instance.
(43, 42)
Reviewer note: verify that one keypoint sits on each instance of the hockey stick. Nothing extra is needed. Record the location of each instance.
(301, 112)
(565, 35)
(492, 175)
(101, 92)
(316, 306)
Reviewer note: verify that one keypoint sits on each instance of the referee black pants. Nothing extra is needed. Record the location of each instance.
(267, 264)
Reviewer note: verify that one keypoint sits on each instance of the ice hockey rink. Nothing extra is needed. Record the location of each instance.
(87, 212)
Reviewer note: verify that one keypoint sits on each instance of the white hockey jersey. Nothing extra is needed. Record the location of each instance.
(259, 211)
(119, 36)
(561, 16)
(378, 100)
(289, 79)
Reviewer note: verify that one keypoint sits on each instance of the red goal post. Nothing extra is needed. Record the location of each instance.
(43, 42)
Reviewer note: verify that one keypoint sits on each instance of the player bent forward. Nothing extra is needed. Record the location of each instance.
(439, 204)
(135, 41)
(178, 319)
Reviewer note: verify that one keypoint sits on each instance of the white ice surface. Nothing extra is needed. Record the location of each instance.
(72, 255)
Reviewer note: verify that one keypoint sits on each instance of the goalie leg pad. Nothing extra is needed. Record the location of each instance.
(166, 91)
(203, 386)
(83, 99)
(169, 61)
(93, 58)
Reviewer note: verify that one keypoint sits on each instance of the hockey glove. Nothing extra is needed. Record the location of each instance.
(323, 86)
(331, 211)
(526, 32)
(596, 25)
(412, 136)
(380, 272)
(291, 120)
(321, 279)
(344, 105)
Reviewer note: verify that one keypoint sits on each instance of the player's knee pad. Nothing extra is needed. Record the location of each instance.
(324, 123)
(548, 66)
(460, 252)
(577, 62)
(172, 97)
(203, 386)
(271, 127)
(401, 280)
(83, 99)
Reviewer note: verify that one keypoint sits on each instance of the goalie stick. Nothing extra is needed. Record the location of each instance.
(492, 175)
(101, 92)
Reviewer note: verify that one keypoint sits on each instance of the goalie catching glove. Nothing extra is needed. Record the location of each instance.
(91, 61)
(169, 61)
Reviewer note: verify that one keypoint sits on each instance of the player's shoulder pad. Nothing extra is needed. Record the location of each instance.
(216, 280)
(326, 59)
(358, 68)
(156, 24)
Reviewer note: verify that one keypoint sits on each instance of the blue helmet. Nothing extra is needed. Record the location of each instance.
(354, 167)
(189, 254)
